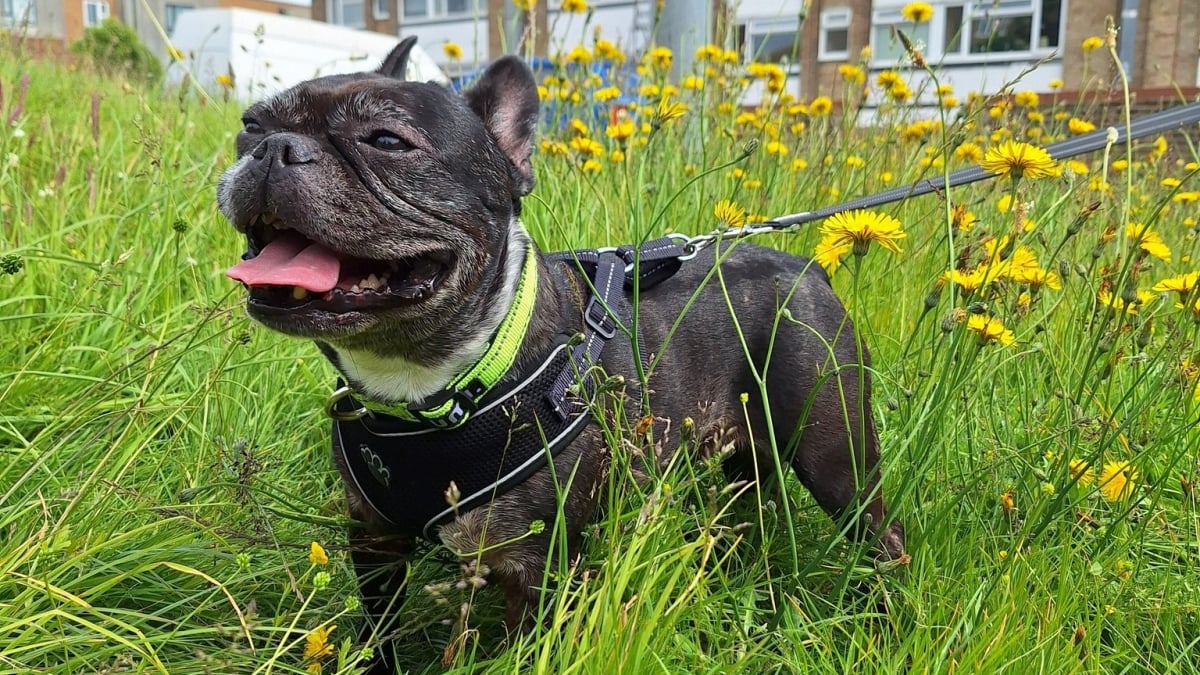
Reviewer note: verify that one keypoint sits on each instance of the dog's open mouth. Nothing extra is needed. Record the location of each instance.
(286, 270)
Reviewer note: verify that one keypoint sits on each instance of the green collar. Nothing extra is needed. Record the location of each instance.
(452, 406)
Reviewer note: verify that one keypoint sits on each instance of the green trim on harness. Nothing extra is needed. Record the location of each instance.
(452, 406)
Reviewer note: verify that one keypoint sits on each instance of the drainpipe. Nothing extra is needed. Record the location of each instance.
(684, 25)
(1128, 36)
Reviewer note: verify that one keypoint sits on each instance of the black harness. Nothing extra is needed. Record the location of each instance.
(418, 473)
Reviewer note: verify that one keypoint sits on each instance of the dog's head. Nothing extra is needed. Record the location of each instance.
(370, 203)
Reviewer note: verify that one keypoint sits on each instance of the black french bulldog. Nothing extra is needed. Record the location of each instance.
(383, 222)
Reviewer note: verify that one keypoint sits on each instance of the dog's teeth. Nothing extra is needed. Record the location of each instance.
(299, 292)
(372, 282)
(355, 289)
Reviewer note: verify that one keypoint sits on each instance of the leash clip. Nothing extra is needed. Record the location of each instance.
(331, 406)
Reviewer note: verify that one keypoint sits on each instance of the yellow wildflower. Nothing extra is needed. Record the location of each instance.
(1149, 241)
(1180, 283)
(575, 6)
(1092, 43)
(316, 554)
(820, 106)
(1081, 472)
(860, 228)
(316, 648)
(989, 329)
(452, 50)
(917, 12)
(1019, 160)
(1078, 126)
(729, 214)
(1117, 481)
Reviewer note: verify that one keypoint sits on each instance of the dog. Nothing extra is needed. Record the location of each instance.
(382, 221)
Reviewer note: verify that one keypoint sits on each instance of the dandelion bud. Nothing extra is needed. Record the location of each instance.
(1143, 337)
(1064, 268)
(353, 603)
(977, 307)
(1081, 270)
(932, 298)
(953, 318)
(893, 405)
(1106, 344)
(1129, 295)
(749, 148)
(11, 264)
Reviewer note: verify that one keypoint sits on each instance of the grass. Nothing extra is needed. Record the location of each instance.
(165, 461)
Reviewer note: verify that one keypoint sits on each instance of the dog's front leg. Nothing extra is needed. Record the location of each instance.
(381, 564)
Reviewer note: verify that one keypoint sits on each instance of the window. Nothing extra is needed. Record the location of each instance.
(967, 30)
(382, 9)
(428, 9)
(94, 12)
(833, 41)
(348, 13)
(18, 12)
(171, 15)
(769, 41)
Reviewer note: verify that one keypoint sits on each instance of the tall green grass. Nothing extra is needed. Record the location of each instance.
(164, 461)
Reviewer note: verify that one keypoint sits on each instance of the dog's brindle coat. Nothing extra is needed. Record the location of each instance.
(373, 167)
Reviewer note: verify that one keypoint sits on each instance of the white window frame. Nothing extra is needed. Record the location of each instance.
(102, 12)
(381, 9)
(937, 32)
(171, 13)
(833, 19)
(435, 10)
(768, 26)
(337, 13)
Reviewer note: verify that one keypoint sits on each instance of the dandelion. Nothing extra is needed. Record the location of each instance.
(316, 648)
(1027, 99)
(1019, 160)
(1078, 126)
(225, 80)
(578, 54)
(887, 78)
(692, 83)
(852, 73)
(452, 50)
(1117, 480)
(668, 111)
(860, 228)
(1117, 304)
(1056, 84)
(316, 554)
(1148, 241)
(820, 106)
(989, 329)
(1170, 182)
(917, 12)
(799, 164)
(606, 94)
(729, 214)
(1092, 43)
(1180, 283)
(609, 51)
(830, 251)
(661, 57)
(621, 130)
(776, 148)
(574, 6)
(1081, 472)
(1077, 167)
(969, 151)
(1186, 197)
(591, 166)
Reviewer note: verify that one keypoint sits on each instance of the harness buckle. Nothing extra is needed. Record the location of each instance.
(462, 405)
(331, 406)
(599, 319)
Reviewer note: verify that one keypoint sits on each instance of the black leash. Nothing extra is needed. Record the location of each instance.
(1147, 125)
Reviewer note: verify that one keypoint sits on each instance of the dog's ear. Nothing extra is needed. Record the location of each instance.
(396, 62)
(505, 97)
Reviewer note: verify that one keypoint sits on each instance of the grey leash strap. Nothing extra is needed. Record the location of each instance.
(1156, 123)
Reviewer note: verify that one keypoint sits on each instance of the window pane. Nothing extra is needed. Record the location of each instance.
(352, 14)
(887, 46)
(1051, 23)
(772, 47)
(952, 42)
(458, 6)
(837, 40)
(1001, 34)
(416, 8)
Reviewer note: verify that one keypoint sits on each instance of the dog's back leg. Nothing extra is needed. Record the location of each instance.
(381, 564)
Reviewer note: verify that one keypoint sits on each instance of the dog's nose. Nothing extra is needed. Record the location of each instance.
(287, 148)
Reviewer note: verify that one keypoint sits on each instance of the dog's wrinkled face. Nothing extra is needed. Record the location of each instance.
(368, 201)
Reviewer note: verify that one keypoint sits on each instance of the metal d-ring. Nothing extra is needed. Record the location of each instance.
(339, 415)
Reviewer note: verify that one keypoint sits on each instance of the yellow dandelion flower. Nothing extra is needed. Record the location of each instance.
(592, 166)
(452, 50)
(799, 164)
(316, 554)
(1120, 165)
(1170, 182)
(1092, 43)
(830, 251)
(1019, 160)
(917, 12)
(692, 83)
(1077, 167)
(1194, 308)
(1117, 481)
(1186, 197)
(621, 130)
(525, 5)
(820, 106)
(729, 214)
(606, 94)
(1004, 204)
(668, 111)
(1056, 84)
(661, 57)
(969, 151)
(174, 53)
(1027, 99)
(860, 228)
(887, 78)
(1149, 241)
(617, 157)
(225, 80)
(1180, 283)
(989, 329)
(852, 73)
(575, 6)
(553, 148)
(776, 148)
(585, 146)
(609, 51)
(316, 648)
(1117, 304)
(1078, 126)
(1081, 472)
(578, 54)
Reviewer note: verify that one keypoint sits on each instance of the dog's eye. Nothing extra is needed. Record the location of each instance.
(386, 140)
(251, 127)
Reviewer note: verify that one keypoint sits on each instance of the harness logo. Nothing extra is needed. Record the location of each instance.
(375, 465)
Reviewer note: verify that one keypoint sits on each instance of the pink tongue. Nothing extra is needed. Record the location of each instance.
(290, 260)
